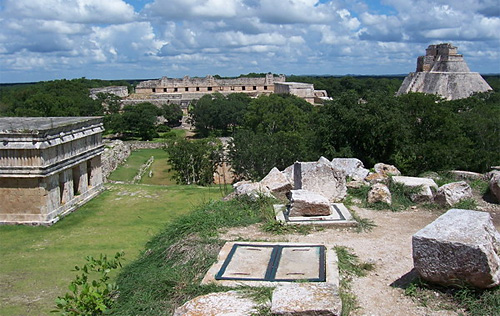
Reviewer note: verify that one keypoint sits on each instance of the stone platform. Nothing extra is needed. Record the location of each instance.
(339, 216)
(272, 264)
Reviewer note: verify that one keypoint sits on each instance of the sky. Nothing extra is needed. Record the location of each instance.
(142, 39)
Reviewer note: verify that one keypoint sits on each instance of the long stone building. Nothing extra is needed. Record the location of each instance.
(48, 167)
(444, 72)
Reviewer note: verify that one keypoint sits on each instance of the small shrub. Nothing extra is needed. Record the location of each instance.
(364, 224)
(480, 186)
(91, 292)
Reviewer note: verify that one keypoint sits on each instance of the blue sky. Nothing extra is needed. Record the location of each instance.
(118, 39)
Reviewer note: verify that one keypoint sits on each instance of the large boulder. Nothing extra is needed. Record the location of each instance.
(379, 193)
(306, 299)
(352, 167)
(229, 303)
(386, 170)
(320, 177)
(277, 183)
(307, 203)
(460, 247)
(452, 193)
(495, 184)
(252, 189)
(428, 187)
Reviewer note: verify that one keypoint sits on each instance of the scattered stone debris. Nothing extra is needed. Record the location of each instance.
(277, 183)
(428, 187)
(320, 177)
(495, 184)
(379, 193)
(386, 170)
(460, 247)
(452, 193)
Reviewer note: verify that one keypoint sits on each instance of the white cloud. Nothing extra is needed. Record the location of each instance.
(107, 38)
(74, 11)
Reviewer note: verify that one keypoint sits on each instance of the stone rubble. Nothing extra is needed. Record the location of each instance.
(460, 247)
(352, 167)
(379, 193)
(307, 203)
(428, 187)
(452, 193)
(321, 178)
(494, 184)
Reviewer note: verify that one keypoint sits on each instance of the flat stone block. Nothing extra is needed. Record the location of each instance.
(459, 247)
(230, 303)
(306, 299)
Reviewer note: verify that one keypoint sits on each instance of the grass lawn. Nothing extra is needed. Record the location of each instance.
(36, 262)
(128, 170)
(159, 168)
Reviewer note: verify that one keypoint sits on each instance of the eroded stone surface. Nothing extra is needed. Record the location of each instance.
(277, 183)
(230, 303)
(386, 170)
(495, 184)
(306, 299)
(307, 203)
(352, 167)
(252, 189)
(321, 178)
(460, 247)
(379, 193)
(452, 193)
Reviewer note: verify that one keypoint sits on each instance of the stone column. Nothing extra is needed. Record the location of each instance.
(95, 176)
(66, 185)
(80, 178)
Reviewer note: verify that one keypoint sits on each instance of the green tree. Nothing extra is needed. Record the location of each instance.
(140, 120)
(195, 161)
(173, 114)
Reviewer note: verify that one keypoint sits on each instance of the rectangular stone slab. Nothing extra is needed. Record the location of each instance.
(300, 263)
(246, 262)
(274, 263)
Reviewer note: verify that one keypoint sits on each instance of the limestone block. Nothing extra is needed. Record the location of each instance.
(307, 203)
(277, 183)
(495, 184)
(428, 186)
(460, 247)
(452, 193)
(352, 167)
(306, 299)
(376, 178)
(288, 172)
(379, 193)
(386, 170)
(321, 178)
(356, 184)
(468, 175)
(229, 303)
(252, 189)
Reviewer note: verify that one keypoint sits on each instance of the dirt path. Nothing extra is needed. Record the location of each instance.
(388, 246)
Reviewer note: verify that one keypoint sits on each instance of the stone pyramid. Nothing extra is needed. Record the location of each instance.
(444, 72)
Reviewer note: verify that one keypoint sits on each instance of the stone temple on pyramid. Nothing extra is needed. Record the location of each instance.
(444, 72)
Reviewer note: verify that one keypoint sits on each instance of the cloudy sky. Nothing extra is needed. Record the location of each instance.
(117, 39)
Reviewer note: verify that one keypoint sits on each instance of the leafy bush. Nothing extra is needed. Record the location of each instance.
(91, 292)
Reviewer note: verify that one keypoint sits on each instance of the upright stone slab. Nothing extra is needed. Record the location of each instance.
(460, 247)
(321, 178)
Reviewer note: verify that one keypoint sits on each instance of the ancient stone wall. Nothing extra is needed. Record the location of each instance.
(48, 166)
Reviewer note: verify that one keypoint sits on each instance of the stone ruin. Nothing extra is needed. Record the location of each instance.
(48, 166)
(443, 72)
(461, 247)
(119, 91)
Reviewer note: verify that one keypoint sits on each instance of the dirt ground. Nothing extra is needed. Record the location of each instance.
(388, 246)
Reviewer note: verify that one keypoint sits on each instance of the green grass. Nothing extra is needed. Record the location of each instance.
(349, 267)
(170, 269)
(159, 169)
(36, 262)
(474, 302)
(137, 158)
